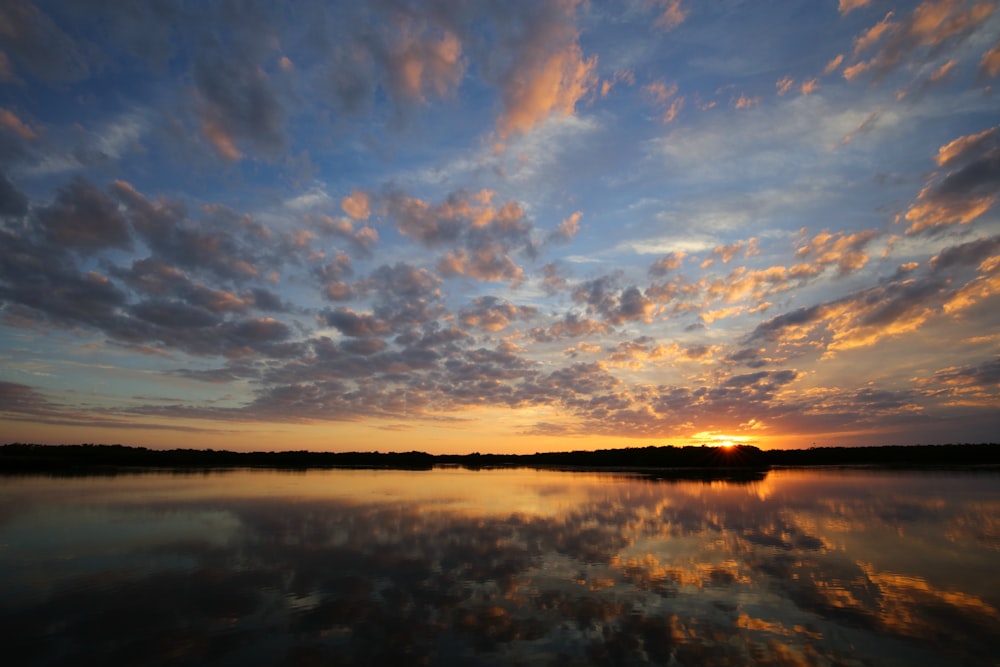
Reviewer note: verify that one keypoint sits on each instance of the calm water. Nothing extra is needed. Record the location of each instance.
(500, 567)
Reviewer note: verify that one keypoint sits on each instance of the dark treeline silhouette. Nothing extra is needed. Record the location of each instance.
(19, 457)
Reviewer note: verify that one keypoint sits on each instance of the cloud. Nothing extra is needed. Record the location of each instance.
(548, 73)
(422, 64)
(850, 5)
(85, 219)
(490, 313)
(486, 234)
(989, 64)
(616, 306)
(625, 76)
(363, 239)
(571, 325)
(13, 202)
(974, 143)
(970, 384)
(42, 283)
(6, 69)
(726, 253)
(567, 229)
(636, 354)
(671, 14)
(665, 98)
(237, 105)
(331, 275)
(411, 57)
(85, 148)
(966, 191)
(222, 243)
(896, 306)
(357, 205)
(38, 45)
(918, 37)
(404, 295)
(669, 262)
(965, 254)
(152, 277)
(868, 39)
(361, 325)
(10, 121)
(22, 400)
(983, 286)
(809, 87)
(487, 262)
(844, 249)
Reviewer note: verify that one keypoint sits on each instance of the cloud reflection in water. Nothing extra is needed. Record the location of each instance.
(501, 567)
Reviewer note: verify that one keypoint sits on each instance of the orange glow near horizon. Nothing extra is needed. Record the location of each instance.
(488, 432)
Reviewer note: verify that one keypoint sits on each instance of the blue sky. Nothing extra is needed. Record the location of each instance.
(514, 226)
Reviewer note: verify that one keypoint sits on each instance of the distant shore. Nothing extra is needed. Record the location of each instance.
(26, 458)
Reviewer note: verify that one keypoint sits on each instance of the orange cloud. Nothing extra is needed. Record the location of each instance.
(712, 315)
(936, 208)
(868, 38)
(660, 94)
(856, 70)
(424, 64)
(357, 205)
(753, 284)
(635, 354)
(810, 86)
(832, 66)
(784, 84)
(571, 225)
(840, 248)
(9, 120)
(489, 264)
(667, 263)
(727, 252)
(985, 285)
(621, 76)
(955, 149)
(491, 314)
(850, 5)
(966, 192)
(934, 22)
(549, 74)
(931, 24)
(744, 102)
(852, 326)
(670, 115)
(221, 140)
(943, 71)
(672, 16)
(990, 62)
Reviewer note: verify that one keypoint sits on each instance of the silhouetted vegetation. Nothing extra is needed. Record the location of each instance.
(80, 458)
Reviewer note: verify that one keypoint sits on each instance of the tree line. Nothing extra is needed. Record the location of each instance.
(26, 457)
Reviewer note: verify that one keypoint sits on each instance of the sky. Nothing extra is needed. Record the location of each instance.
(455, 226)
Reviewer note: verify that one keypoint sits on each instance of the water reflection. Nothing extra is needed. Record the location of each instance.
(501, 567)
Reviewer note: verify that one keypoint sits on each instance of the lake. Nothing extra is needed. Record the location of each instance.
(501, 567)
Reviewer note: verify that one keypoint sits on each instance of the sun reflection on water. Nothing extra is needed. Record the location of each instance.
(501, 567)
